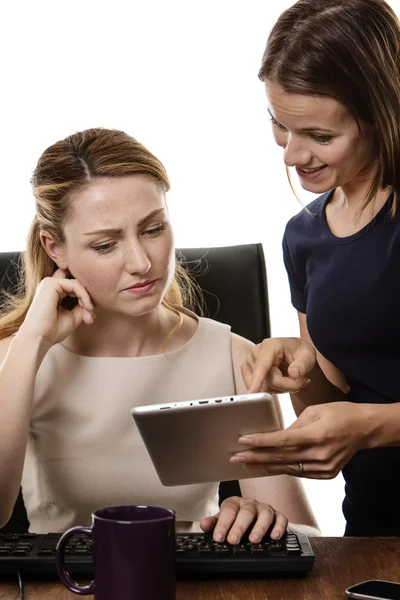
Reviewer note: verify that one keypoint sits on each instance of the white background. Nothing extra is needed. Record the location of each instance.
(181, 77)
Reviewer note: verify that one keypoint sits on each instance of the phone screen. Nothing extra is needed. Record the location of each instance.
(375, 590)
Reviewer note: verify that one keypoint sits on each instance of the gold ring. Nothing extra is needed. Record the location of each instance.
(301, 468)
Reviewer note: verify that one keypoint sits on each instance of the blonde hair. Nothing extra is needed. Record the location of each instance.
(348, 50)
(64, 168)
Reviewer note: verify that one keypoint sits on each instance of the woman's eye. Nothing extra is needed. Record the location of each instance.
(322, 139)
(155, 230)
(104, 247)
(278, 125)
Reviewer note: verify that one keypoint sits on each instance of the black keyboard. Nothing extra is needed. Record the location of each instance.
(197, 555)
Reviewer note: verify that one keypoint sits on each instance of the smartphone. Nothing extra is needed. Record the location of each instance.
(375, 589)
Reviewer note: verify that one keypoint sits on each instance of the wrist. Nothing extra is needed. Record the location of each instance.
(381, 424)
(322, 388)
(30, 343)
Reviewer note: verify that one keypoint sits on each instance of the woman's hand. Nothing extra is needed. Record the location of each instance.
(50, 321)
(318, 445)
(279, 365)
(237, 514)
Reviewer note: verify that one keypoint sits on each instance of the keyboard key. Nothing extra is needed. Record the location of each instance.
(258, 551)
(277, 546)
(293, 551)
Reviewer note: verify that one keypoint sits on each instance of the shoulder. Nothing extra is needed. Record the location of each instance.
(240, 349)
(308, 218)
(240, 346)
(213, 327)
(193, 321)
(202, 333)
(4, 346)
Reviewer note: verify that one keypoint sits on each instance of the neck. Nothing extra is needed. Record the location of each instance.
(351, 197)
(123, 336)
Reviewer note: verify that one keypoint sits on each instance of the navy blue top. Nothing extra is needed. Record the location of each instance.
(349, 288)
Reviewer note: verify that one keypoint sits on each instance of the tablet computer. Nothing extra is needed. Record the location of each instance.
(191, 442)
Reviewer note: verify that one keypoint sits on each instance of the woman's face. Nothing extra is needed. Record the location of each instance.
(119, 244)
(320, 139)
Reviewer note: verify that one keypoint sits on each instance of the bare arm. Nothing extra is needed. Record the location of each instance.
(327, 382)
(20, 358)
(329, 429)
(46, 323)
(283, 492)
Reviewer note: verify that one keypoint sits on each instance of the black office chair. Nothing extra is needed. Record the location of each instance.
(234, 284)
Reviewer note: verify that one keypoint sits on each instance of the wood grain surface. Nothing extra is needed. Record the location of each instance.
(339, 563)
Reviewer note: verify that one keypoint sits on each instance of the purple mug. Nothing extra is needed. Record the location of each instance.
(133, 554)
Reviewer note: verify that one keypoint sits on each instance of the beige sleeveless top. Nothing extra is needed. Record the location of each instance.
(84, 451)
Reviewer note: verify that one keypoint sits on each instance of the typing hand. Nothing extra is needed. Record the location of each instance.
(237, 514)
(279, 365)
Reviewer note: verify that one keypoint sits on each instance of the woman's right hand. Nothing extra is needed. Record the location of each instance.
(279, 365)
(50, 321)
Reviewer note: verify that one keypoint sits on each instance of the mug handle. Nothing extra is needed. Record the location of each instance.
(64, 576)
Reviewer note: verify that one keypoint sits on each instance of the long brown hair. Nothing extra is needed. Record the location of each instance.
(68, 166)
(348, 50)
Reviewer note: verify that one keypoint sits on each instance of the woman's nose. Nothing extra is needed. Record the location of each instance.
(294, 153)
(137, 260)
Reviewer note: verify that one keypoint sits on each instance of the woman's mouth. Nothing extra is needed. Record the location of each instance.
(310, 173)
(141, 288)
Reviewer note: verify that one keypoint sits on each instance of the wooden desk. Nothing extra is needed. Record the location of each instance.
(339, 563)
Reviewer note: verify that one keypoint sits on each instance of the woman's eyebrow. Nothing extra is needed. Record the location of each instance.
(117, 230)
(111, 230)
(312, 129)
(305, 129)
(151, 216)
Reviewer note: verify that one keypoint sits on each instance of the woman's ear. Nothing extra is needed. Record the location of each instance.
(54, 250)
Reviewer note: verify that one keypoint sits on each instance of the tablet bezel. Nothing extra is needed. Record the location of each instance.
(191, 442)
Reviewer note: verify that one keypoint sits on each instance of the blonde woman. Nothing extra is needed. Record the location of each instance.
(99, 327)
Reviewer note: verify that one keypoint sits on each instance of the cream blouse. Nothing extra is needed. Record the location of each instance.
(84, 451)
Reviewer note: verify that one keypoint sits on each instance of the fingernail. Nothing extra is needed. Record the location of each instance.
(255, 539)
(276, 535)
(236, 459)
(234, 540)
(245, 440)
(295, 373)
(218, 537)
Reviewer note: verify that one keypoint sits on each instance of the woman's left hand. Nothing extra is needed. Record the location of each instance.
(237, 514)
(318, 445)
